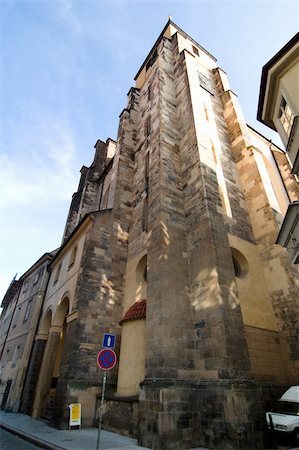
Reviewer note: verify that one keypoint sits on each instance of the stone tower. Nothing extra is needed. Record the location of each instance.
(207, 202)
(175, 230)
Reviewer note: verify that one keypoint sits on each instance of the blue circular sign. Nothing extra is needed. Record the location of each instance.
(106, 359)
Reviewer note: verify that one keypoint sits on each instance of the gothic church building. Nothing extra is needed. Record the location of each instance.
(170, 245)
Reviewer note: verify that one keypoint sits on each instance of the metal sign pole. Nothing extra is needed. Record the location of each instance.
(101, 410)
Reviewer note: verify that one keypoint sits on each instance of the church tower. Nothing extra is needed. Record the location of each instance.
(202, 304)
(174, 227)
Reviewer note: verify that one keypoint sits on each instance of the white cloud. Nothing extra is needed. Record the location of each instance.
(41, 165)
(38, 175)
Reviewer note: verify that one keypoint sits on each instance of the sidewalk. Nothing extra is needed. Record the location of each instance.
(45, 436)
(42, 435)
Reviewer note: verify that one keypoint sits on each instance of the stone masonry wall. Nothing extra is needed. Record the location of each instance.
(194, 323)
(87, 197)
(281, 276)
(99, 292)
(220, 339)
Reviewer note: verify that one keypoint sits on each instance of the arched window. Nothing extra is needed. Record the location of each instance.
(141, 270)
(240, 263)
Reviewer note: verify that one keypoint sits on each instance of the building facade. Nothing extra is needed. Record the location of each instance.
(19, 319)
(278, 109)
(170, 245)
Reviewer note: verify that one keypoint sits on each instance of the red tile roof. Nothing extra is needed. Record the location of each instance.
(136, 311)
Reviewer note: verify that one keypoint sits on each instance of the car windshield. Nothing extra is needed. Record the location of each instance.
(286, 408)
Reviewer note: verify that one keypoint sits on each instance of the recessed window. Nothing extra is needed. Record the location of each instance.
(25, 286)
(286, 116)
(57, 274)
(16, 316)
(195, 50)
(148, 126)
(141, 270)
(240, 263)
(27, 312)
(237, 268)
(72, 257)
(36, 278)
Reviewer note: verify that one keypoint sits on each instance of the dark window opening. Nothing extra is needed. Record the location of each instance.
(148, 126)
(145, 214)
(195, 50)
(54, 383)
(237, 268)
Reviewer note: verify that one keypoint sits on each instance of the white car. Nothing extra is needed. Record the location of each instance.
(285, 415)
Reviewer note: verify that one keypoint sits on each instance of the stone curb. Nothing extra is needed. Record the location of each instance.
(30, 438)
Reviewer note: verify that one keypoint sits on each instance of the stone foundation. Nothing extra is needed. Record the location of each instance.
(121, 416)
(213, 414)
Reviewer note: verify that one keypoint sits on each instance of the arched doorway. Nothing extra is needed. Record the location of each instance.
(50, 367)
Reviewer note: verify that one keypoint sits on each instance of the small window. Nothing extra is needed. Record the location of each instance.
(36, 278)
(240, 263)
(72, 257)
(27, 312)
(237, 268)
(57, 274)
(148, 126)
(195, 50)
(141, 270)
(286, 116)
(16, 316)
(25, 286)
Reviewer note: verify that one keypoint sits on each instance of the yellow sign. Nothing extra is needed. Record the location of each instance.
(75, 414)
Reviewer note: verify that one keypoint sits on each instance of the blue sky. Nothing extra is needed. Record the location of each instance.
(65, 69)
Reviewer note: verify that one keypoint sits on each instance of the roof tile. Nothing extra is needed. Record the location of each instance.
(136, 311)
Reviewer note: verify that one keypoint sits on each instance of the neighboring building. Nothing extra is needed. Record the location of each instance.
(8, 304)
(18, 328)
(288, 235)
(73, 286)
(170, 245)
(278, 108)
